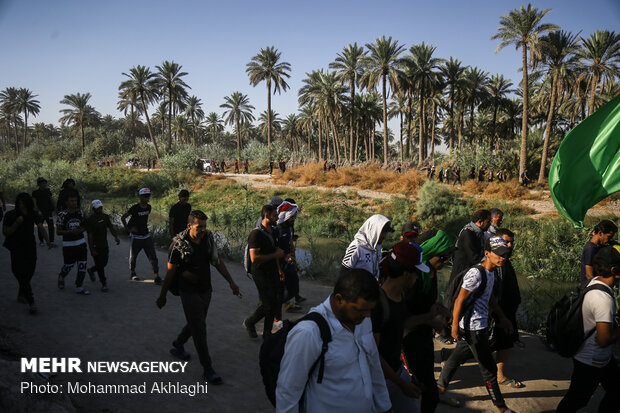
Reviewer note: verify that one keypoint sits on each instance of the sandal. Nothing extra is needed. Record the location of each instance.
(512, 383)
(450, 401)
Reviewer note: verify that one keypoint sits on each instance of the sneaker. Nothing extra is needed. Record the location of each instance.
(158, 280)
(212, 377)
(41, 244)
(104, 288)
(82, 291)
(134, 278)
(179, 352)
(250, 329)
(292, 308)
(299, 299)
(91, 274)
(33, 310)
(61, 282)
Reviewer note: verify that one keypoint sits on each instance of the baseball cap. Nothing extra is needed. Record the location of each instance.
(608, 257)
(410, 230)
(275, 201)
(144, 191)
(40, 180)
(96, 204)
(498, 246)
(183, 193)
(409, 255)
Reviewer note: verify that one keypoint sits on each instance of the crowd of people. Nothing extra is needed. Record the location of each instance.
(385, 313)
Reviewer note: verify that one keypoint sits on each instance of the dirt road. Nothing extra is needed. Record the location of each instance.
(125, 325)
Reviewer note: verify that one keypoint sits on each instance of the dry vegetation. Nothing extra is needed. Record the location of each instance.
(510, 190)
(371, 177)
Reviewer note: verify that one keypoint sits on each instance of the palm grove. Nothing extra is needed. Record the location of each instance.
(344, 109)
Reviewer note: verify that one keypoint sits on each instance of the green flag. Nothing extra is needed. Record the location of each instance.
(586, 167)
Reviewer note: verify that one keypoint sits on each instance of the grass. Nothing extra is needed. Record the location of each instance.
(368, 177)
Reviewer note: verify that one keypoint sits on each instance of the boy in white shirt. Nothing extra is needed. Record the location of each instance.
(594, 362)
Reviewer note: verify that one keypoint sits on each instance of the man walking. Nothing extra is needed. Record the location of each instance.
(43, 202)
(497, 217)
(470, 319)
(179, 213)
(364, 251)
(470, 242)
(352, 376)
(140, 235)
(71, 225)
(193, 251)
(97, 226)
(594, 362)
(264, 255)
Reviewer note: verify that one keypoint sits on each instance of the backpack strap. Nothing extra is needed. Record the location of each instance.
(326, 336)
(589, 288)
(468, 310)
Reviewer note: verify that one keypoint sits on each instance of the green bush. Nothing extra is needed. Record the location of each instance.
(440, 207)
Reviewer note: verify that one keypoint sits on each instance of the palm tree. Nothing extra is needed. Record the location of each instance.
(522, 28)
(265, 118)
(422, 65)
(27, 104)
(215, 124)
(452, 72)
(348, 65)
(128, 99)
(173, 89)
(290, 129)
(498, 88)
(265, 66)
(600, 56)
(193, 109)
(145, 85)
(382, 66)
(559, 54)
(9, 104)
(398, 107)
(80, 112)
(475, 90)
(238, 110)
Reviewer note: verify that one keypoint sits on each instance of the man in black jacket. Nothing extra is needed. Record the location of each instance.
(470, 242)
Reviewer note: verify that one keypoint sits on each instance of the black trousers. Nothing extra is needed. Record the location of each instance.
(50, 228)
(195, 307)
(23, 263)
(72, 255)
(583, 383)
(420, 356)
(101, 260)
(476, 344)
(267, 286)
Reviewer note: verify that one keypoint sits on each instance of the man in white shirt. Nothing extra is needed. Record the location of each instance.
(470, 319)
(594, 362)
(352, 379)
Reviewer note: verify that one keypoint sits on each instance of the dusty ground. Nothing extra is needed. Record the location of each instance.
(125, 325)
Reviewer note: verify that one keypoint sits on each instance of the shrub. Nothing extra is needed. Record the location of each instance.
(440, 207)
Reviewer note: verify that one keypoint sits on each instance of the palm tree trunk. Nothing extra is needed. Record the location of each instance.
(460, 129)
(451, 119)
(25, 129)
(357, 140)
(433, 130)
(269, 117)
(524, 131)
(238, 137)
(409, 127)
(148, 123)
(385, 127)
(401, 137)
(543, 161)
(373, 147)
(592, 94)
(82, 134)
(335, 138)
(352, 122)
(494, 132)
(169, 120)
(320, 145)
(133, 127)
(421, 137)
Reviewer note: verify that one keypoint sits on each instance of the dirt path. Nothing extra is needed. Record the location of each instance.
(125, 325)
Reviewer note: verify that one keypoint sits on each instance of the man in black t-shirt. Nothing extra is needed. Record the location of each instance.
(602, 234)
(71, 225)
(43, 202)
(97, 226)
(191, 254)
(179, 214)
(140, 236)
(400, 269)
(264, 254)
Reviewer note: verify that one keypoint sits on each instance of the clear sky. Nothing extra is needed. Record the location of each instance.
(61, 47)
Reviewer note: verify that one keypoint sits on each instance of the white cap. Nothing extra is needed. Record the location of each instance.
(144, 191)
(96, 204)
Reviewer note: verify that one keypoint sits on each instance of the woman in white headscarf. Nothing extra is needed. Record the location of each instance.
(365, 250)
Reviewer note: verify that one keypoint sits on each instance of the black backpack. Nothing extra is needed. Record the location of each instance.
(272, 351)
(565, 321)
(454, 287)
